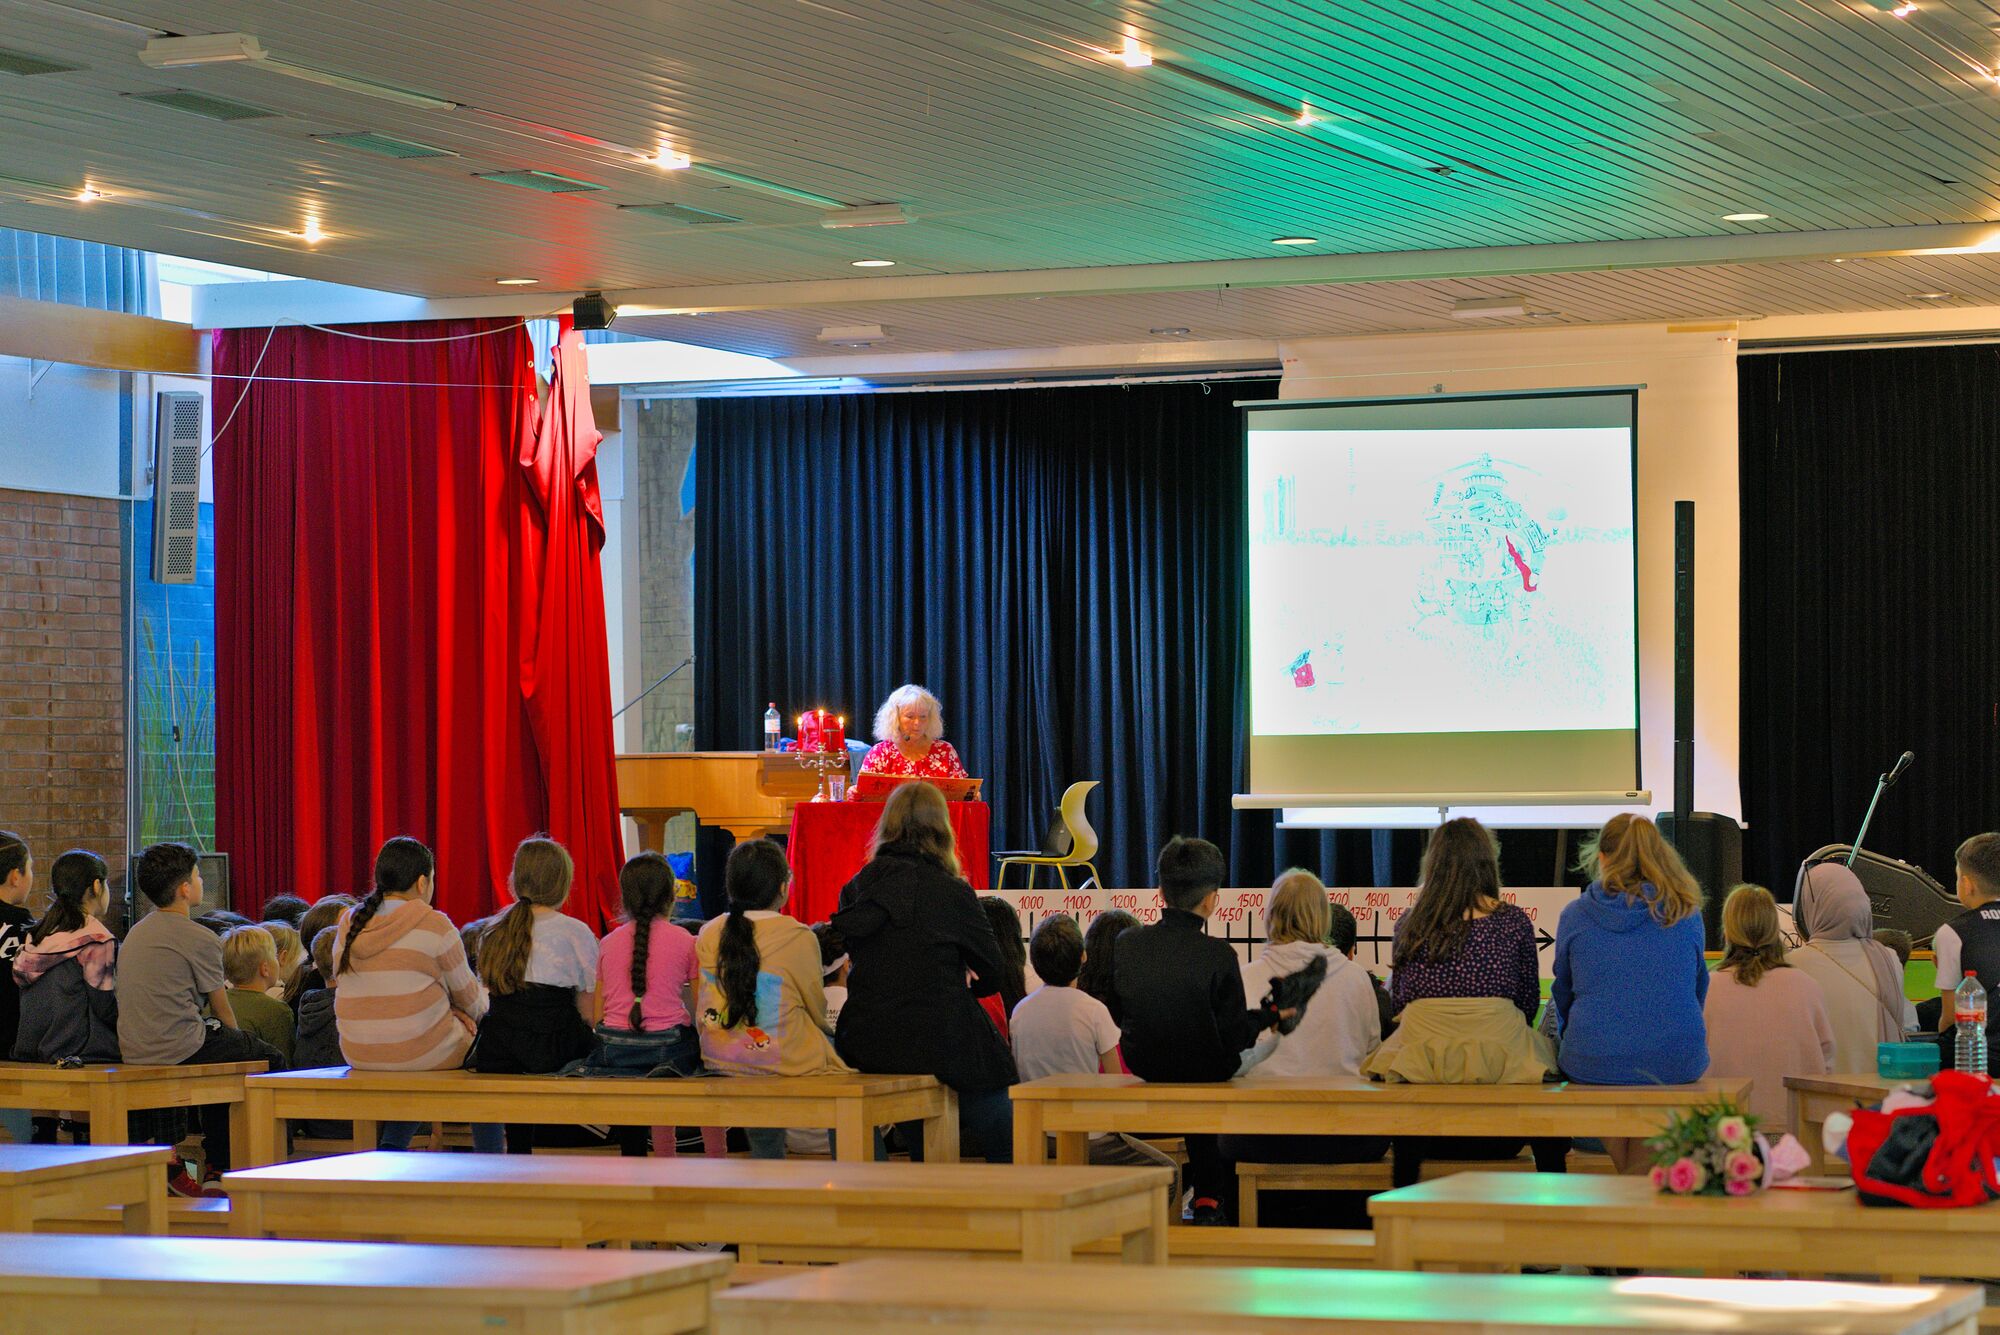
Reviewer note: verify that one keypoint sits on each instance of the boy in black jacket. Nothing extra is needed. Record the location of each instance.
(1180, 991)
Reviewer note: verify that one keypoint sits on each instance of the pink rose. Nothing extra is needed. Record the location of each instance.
(1741, 1166)
(1686, 1177)
(1740, 1186)
(1733, 1132)
(1658, 1177)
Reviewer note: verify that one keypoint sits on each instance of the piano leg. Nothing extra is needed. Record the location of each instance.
(652, 833)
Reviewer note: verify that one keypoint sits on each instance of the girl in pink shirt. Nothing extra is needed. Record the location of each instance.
(645, 975)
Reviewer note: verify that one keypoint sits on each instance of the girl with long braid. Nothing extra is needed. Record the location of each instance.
(646, 975)
(405, 998)
(761, 1008)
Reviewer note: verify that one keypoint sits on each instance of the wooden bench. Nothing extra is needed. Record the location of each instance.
(852, 1105)
(1321, 1248)
(202, 1217)
(1071, 1107)
(910, 1297)
(1506, 1220)
(42, 1182)
(773, 1211)
(110, 1093)
(1252, 1178)
(321, 1288)
(1813, 1097)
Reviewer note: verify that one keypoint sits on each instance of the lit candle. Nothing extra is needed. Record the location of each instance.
(839, 743)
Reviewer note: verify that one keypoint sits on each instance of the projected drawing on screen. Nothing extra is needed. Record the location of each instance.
(1429, 581)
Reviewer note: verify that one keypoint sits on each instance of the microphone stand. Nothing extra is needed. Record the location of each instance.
(1881, 786)
(675, 672)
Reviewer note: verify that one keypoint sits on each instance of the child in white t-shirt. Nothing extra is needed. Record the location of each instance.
(1058, 1029)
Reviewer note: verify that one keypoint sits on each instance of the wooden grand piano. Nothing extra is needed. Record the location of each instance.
(748, 793)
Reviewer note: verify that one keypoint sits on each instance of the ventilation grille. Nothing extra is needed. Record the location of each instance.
(176, 486)
(680, 213)
(201, 104)
(384, 146)
(549, 183)
(20, 62)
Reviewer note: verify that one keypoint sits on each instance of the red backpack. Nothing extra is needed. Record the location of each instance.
(1934, 1156)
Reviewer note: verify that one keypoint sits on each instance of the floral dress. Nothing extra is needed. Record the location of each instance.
(940, 762)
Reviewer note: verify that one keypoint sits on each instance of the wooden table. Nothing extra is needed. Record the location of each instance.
(853, 1105)
(40, 1182)
(774, 1211)
(1813, 1097)
(1071, 1107)
(109, 1093)
(228, 1286)
(1511, 1219)
(904, 1297)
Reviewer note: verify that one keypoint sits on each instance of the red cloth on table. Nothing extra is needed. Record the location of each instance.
(829, 844)
(995, 1007)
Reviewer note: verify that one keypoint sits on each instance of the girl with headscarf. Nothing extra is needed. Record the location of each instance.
(1860, 979)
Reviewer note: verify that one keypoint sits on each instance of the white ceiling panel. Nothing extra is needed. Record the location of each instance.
(1015, 146)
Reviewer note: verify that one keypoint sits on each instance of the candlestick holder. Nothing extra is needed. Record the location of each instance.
(825, 764)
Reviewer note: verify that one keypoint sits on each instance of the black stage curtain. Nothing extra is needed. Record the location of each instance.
(1870, 601)
(1061, 566)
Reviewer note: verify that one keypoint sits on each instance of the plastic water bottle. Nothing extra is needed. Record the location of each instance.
(773, 725)
(1968, 1008)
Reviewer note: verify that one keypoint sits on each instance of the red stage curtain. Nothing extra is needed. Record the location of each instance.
(566, 652)
(374, 530)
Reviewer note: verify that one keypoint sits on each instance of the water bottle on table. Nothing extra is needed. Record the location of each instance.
(773, 725)
(1968, 1008)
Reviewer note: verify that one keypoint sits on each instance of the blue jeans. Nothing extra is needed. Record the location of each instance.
(487, 1137)
(985, 1127)
(766, 1142)
(20, 1124)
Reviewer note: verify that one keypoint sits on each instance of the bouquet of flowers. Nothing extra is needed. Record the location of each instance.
(1711, 1150)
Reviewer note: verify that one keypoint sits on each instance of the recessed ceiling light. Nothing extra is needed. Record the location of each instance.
(874, 264)
(517, 282)
(311, 233)
(1745, 217)
(1168, 332)
(1294, 240)
(668, 160)
(1132, 55)
(1930, 296)
(88, 194)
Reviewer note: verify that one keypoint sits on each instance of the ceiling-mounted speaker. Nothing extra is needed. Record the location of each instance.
(593, 311)
(177, 445)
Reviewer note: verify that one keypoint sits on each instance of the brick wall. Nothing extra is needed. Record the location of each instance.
(62, 676)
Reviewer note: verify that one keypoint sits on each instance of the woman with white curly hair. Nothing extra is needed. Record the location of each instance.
(909, 733)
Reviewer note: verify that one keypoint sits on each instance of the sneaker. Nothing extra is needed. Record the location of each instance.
(211, 1185)
(180, 1184)
(1208, 1213)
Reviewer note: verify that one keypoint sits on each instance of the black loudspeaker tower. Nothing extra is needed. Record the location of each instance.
(1711, 845)
(1683, 662)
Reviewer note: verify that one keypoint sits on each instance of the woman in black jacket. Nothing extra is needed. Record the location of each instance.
(922, 952)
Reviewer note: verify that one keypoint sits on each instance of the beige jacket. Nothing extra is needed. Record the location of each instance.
(1462, 1041)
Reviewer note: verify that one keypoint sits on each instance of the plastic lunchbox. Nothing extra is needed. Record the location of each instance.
(1906, 1061)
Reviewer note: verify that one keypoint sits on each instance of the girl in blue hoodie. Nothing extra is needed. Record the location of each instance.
(1630, 977)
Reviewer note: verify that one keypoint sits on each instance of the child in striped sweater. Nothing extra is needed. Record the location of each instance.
(406, 1000)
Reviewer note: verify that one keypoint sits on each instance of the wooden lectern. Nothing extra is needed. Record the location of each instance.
(748, 793)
